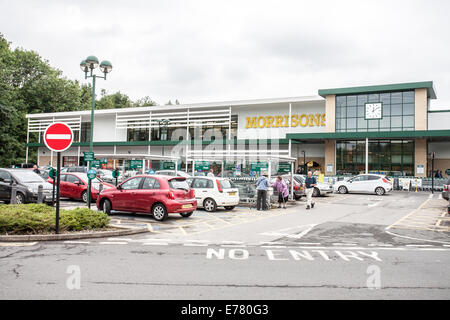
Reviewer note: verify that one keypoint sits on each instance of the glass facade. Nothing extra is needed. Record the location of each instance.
(385, 156)
(397, 107)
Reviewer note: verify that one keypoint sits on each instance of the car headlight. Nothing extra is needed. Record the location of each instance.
(31, 190)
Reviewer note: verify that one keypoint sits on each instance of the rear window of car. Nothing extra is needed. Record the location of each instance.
(227, 184)
(374, 178)
(179, 184)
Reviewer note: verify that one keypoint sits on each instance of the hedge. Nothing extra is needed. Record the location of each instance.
(40, 219)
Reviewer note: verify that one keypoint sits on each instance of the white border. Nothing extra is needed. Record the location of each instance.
(45, 135)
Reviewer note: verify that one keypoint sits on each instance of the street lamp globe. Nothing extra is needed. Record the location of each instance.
(105, 66)
(84, 66)
(92, 61)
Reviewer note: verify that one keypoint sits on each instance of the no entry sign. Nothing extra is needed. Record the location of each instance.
(58, 137)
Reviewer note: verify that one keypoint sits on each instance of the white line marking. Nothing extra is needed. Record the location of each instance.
(156, 239)
(232, 242)
(120, 239)
(53, 136)
(345, 244)
(76, 242)
(308, 243)
(411, 238)
(233, 245)
(419, 245)
(440, 196)
(194, 245)
(433, 249)
(17, 244)
(156, 244)
(373, 204)
(380, 245)
(446, 245)
(430, 196)
(273, 246)
(117, 242)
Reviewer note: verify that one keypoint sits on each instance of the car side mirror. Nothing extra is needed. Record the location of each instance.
(8, 181)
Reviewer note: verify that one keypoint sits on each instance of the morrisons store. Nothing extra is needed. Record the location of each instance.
(384, 129)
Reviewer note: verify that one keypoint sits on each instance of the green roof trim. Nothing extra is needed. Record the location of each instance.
(382, 88)
(438, 111)
(363, 135)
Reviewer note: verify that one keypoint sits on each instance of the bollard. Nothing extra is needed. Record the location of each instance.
(40, 196)
(100, 188)
(14, 193)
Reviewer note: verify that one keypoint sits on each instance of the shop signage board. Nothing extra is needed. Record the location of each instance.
(284, 167)
(136, 164)
(168, 165)
(89, 156)
(420, 169)
(230, 166)
(92, 174)
(95, 163)
(202, 165)
(259, 166)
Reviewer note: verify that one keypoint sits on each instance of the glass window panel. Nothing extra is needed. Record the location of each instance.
(385, 98)
(351, 112)
(341, 101)
(396, 110)
(373, 123)
(343, 112)
(362, 123)
(396, 121)
(362, 99)
(408, 109)
(385, 123)
(408, 121)
(351, 100)
(396, 158)
(408, 97)
(396, 129)
(396, 97)
(408, 129)
(386, 110)
(360, 111)
(351, 123)
(374, 97)
(338, 112)
(407, 159)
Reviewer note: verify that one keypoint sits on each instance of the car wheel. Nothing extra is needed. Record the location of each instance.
(316, 192)
(229, 207)
(84, 196)
(380, 191)
(20, 198)
(107, 207)
(342, 190)
(159, 212)
(210, 205)
(186, 214)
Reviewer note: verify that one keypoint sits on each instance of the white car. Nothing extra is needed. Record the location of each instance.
(212, 192)
(364, 183)
(172, 173)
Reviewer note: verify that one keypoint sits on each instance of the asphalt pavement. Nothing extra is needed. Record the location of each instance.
(347, 247)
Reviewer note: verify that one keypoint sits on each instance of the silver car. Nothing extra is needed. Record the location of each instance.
(321, 188)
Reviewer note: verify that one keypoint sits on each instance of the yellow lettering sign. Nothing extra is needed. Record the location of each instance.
(303, 120)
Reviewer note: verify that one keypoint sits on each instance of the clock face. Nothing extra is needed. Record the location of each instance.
(374, 110)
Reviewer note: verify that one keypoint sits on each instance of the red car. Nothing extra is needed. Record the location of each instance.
(158, 195)
(74, 185)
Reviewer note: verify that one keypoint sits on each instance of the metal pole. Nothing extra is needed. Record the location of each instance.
(91, 141)
(58, 180)
(432, 174)
(367, 155)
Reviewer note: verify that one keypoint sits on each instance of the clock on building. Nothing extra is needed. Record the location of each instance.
(374, 111)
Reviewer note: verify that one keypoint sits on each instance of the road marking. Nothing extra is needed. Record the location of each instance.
(412, 238)
(373, 204)
(119, 239)
(155, 244)
(182, 230)
(345, 244)
(117, 242)
(77, 242)
(281, 232)
(380, 245)
(273, 246)
(419, 245)
(308, 243)
(433, 249)
(430, 196)
(195, 244)
(17, 244)
(233, 245)
(440, 196)
(415, 210)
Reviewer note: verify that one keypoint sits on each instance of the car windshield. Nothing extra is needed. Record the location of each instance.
(227, 184)
(178, 184)
(27, 176)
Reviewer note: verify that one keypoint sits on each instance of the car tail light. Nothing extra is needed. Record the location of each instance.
(192, 193)
(296, 188)
(446, 187)
(385, 180)
(219, 186)
(171, 195)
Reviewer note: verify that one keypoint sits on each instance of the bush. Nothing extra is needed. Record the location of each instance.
(40, 218)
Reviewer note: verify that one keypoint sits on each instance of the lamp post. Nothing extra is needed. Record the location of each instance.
(88, 66)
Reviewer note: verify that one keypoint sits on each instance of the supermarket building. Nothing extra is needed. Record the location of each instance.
(381, 128)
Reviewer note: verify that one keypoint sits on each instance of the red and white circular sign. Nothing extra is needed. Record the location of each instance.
(58, 137)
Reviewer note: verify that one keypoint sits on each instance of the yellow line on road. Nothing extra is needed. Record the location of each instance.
(414, 211)
(182, 230)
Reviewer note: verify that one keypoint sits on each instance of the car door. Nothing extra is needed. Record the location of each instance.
(63, 191)
(203, 189)
(5, 185)
(148, 194)
(124, 198)
(73, 186)
(360, 183)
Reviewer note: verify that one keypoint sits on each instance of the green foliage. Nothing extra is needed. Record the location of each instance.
(28, 84)
(40, 219)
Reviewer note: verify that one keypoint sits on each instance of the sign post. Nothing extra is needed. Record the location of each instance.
(58, 137)
(51, 174)
(115, 174)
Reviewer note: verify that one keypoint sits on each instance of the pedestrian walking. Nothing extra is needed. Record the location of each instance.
(262, 184)
(310, 183)
(283, 191)
(210, 173)
(36, 170)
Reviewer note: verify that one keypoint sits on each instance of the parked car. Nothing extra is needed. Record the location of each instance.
(364, 183)
(76, 169)
(212, 192)
(27, 186)
(446, 190)
(74, 185)
(321, 188)
(155, 194)
(107, 176)
(178, 173)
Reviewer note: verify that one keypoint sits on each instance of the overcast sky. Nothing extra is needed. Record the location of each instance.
(200, 51)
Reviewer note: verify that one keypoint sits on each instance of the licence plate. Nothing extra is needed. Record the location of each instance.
(232, 193)
(185, 206)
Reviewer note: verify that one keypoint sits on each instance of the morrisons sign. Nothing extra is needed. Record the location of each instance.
(302, 120)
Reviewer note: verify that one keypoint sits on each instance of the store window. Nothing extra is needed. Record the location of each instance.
(384, 156)
(397, 112)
